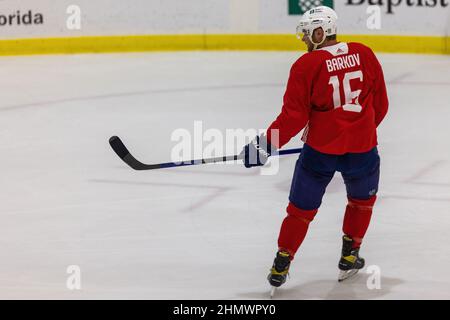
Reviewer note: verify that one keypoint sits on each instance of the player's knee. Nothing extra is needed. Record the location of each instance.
(363, 190)
(362, 204)
(306, 215)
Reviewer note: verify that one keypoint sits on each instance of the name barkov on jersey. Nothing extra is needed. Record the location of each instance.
(343, 62)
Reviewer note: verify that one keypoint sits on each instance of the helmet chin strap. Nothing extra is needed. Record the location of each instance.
(316, 44)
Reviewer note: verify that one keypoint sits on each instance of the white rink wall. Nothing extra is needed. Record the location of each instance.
(148, 17)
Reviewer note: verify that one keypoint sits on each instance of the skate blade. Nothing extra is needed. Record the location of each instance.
(344, 275)
(272, 292)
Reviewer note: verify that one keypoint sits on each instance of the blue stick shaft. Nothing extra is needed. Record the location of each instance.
(221, 159)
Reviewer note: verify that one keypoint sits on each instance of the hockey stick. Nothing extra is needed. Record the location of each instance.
(123, 153)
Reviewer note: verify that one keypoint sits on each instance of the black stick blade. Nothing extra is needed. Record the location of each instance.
(118, 147)
(122, 151)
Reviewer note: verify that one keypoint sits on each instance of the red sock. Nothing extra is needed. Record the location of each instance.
(357, 219)
(294, 228)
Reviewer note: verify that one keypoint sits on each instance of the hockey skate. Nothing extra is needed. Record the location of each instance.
(350, 262)
(279, 271)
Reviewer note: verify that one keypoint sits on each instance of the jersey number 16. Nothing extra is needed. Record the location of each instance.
(351, 97)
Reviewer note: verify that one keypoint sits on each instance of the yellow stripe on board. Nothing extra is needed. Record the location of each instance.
(103, 44)
(402, 44)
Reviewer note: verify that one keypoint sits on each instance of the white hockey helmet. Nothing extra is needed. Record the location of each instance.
(319, 17)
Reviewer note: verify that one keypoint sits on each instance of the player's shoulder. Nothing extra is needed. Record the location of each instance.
(308, 60)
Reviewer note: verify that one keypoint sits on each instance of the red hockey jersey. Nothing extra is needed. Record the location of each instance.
(339, 94)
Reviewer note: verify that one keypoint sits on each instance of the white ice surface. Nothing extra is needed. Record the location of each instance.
(205, 232)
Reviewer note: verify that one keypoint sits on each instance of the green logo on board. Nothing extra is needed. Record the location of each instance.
(301, 6)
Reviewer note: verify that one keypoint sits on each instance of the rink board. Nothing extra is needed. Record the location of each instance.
(136, 43)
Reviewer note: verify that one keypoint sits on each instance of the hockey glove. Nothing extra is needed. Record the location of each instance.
(257, 152)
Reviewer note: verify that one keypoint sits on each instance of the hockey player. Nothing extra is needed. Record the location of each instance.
(337, 93)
